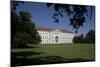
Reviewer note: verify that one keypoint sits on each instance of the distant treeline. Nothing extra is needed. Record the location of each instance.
(88, 38)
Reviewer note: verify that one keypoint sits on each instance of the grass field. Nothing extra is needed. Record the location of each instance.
(47, 54)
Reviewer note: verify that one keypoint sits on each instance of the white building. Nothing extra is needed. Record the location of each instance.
(55, 36)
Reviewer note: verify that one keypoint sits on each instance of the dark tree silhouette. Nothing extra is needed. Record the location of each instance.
(15, 4)
(76, 13)
(23, 30)
(88, 38)
(79, 39)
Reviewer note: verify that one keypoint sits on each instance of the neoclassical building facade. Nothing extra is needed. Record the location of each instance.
(55, 36)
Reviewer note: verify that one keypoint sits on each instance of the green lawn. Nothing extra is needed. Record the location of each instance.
(65, 53)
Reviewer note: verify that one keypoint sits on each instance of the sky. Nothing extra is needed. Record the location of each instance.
(42, 17)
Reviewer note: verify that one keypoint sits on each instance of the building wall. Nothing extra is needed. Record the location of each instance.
(55, 37)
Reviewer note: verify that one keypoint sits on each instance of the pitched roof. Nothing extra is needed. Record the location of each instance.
(50, 29)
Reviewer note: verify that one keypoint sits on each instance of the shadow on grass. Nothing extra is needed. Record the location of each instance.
(31, 58)
(25, 47)
(25, 54)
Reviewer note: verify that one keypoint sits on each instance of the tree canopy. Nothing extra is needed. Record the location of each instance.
(23, 30)
(76, 13)
(88, 38)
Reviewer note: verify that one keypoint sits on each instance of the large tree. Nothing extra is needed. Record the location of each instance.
(23, 30)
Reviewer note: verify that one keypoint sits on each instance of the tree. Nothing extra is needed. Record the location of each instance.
(75, 39)
(77, 14)
(23, 30)
(15, 4)
(79, 39)
(90, 36)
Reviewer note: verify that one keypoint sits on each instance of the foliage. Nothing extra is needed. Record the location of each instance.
(23, 30)
(21, 39)
(88, 38)
(77, 14)
(78, 39)
(15, 4)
